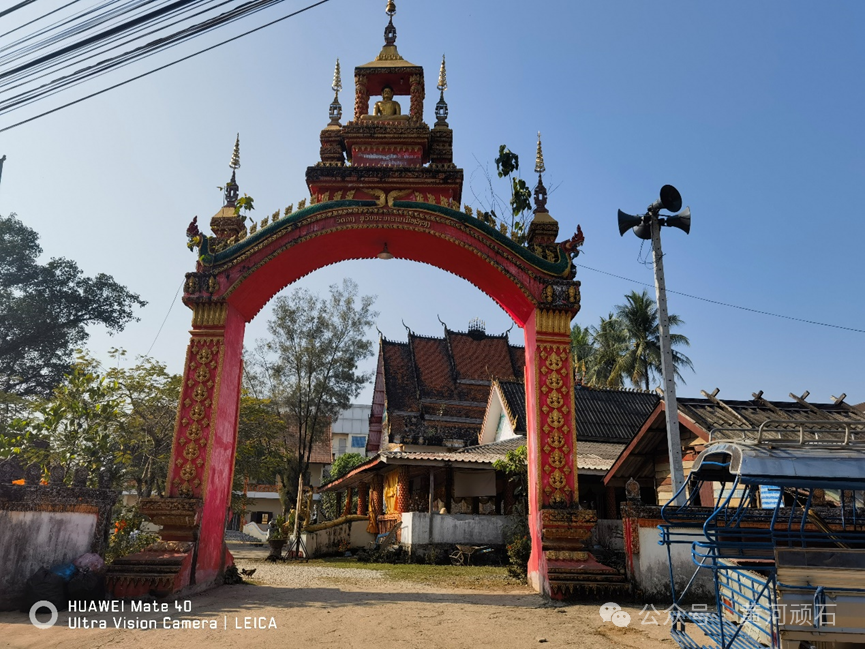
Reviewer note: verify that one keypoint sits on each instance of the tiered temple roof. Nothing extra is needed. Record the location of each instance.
(433, 389)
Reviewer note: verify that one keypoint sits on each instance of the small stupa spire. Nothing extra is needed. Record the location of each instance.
(337, 79)
(442, 106)
(335, 107)
(540, 190)
(232, 191)
(443, 76)
(390, 30)
(235, 155)
(539, 157)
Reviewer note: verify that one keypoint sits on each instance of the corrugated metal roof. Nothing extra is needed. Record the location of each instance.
(708, 414)
(598, 456)
(515, 399)
(611, 415)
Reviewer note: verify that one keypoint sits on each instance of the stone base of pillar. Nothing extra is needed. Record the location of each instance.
(162, 569)
(571, 570)
(166, 567)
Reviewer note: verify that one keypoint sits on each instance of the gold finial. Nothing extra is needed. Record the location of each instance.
(235, 156)
(391, 8)
(337, 79)
(443, 76)
(539, 158)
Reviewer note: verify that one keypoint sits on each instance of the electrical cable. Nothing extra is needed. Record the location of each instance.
(20, 5)
(160, 68)
(165, 319)
(727, 304)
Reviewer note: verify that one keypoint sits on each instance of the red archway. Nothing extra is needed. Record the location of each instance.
(385, 181)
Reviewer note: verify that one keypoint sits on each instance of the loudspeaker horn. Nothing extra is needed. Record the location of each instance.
(670, 200)
(682, 220)
(626, 222)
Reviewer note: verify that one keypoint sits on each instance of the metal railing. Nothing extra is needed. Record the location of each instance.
(775, 432)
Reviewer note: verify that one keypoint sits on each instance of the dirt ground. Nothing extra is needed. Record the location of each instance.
(320, 605)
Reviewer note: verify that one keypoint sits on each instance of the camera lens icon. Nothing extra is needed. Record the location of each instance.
(608, 609)
(43, 603)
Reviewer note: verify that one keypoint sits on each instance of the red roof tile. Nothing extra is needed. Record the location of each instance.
(433, 367)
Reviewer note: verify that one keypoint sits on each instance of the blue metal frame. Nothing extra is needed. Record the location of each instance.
(739, 550)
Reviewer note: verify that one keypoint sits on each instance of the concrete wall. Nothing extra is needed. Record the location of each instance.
(33, 540)
(608, 534)
(420, 529)
(652, 572)
(326, 541)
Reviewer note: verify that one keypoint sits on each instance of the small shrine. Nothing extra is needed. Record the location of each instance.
(389, 146)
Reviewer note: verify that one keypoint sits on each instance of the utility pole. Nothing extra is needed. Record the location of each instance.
(648, 226)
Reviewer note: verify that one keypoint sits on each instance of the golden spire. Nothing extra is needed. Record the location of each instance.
(337, 79)
(235, 156)
(391, 8)
(539, 158)
(443, 76)
(335, 107)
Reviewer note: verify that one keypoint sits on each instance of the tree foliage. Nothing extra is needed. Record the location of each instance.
(122, 419)
(261, 449)
(331, 502)
(307, 368)
(626, 345)
(45, 310)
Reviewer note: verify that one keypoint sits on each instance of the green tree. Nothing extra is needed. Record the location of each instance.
(76, 427)
(45, 310)
(307, 368)
(261, 452)
(330, 502)
(582, 347)
(145, 433)
(641, 360)
(610, 343)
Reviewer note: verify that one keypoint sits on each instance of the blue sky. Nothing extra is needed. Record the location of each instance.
(753, 110)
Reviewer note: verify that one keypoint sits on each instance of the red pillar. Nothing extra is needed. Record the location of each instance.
(559, 529)
(362, 499)
(205, 437)
(348, 497)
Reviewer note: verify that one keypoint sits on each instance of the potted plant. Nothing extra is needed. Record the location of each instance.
(276, 537)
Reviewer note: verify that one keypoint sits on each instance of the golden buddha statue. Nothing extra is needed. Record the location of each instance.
(387, 107)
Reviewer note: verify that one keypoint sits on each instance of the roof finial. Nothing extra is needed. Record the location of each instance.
(442, 106)
(390, 30)
(539, 157)
(540, 190)
(337, 79)
(232, 191)
(335, 107)
(235, 155)
(443, 76)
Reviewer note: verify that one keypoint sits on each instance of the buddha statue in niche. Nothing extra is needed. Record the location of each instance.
(387, 107)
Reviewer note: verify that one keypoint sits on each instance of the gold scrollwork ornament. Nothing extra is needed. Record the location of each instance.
(187, 472)
(204, 355)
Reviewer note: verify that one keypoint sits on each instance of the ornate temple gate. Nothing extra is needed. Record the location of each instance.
(386, 185)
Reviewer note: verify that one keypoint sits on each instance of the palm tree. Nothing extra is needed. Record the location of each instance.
(641, 359)
(582, 347)
(610, 341)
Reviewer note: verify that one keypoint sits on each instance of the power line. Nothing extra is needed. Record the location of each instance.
(165, 319)
(162, 67)
(727, 304)
(20, 5)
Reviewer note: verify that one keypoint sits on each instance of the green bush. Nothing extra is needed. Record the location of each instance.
(127, 536)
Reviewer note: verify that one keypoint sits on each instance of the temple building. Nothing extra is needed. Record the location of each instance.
(433, 391)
